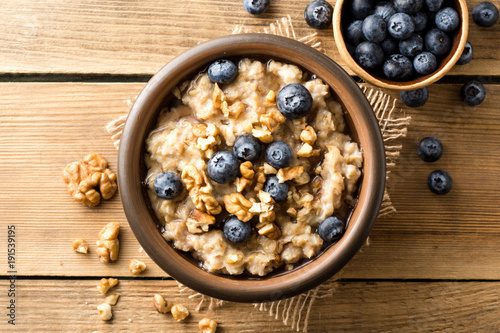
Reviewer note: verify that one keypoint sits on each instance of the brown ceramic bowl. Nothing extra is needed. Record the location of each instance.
(131, 170)
(458, 43)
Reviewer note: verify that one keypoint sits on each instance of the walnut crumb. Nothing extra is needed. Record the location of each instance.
(234, 110)
(308, 135)
(263, 134)
(179, 312)
(80, 246)
(106, 284)
(136, 267)
(199, 222)
(270, 99)
(217, 97)
(289, 173)
(307, 151)
(269, 169)
(207, 325)
(105, 312)
(270, 230)
(161, 305)
(272, 120)
(112, 299)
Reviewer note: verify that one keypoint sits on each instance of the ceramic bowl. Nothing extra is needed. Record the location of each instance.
(459, 39)
(131, 169)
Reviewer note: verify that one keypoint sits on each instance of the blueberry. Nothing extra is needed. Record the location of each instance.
(277, 190)
(473, 93)
(279, 154)
(369, 55)
(237, 231)
(294, 101)
(400, 26)
(440, 182)
(425, 63)
(167, 185)
(222, 71)
(398, 67)
(331, 229)
(447, 19)
(467, 54)
(361, 8)
(430, 149)
(318, 14)
(408, 6)
(354, 33)
(223, 167)
(415, 98)
(247, 148)
(389, 46)
(420, 21)
(256, 7)
(485, 14)
(434, 5)
(411, 46)
(437, 42)
(374, 28)
(385, 10)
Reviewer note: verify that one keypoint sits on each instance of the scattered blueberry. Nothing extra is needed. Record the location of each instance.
(223, 167)
(430, 149)
(411, 46)
(277, 190)
(437, 42)
(420, 21)
(237, 231)
(447, 19)
(398, 67)
(369, 55)
(279, 154)
(434, 5)
(222, 71)
(294, 101)
(425, 63)
(389, 46)
(400, 26)
(247, 147)
(467, 54)
(415, 98)
(485, 14)
(354, 32)
(440, 182)
(374, 29)
(318, 14)
(167, 185)
(256, 7)
(473, 93)
(331, 229)
(361, 8)
(385, 10)
(408, 6)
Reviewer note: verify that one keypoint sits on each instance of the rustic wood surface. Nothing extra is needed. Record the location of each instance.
(67, 68)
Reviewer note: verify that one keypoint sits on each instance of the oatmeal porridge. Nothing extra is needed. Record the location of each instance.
(250, 166)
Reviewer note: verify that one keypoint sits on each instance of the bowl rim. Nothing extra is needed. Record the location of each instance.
(394, 85)
(226, 287)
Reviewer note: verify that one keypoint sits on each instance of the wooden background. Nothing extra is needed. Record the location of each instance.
(67, 68)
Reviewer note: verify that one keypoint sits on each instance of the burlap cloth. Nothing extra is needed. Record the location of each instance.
(294, 312)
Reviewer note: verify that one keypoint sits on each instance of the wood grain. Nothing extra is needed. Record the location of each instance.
(139, 37)
(355, 307)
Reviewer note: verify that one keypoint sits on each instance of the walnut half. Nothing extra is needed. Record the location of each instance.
(238, 205)
(108, 244)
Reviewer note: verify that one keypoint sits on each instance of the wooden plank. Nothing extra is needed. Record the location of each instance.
(139, 37)
(45, 126)
(354, 306)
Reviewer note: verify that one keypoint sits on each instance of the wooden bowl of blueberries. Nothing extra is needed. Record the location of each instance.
(401, 44)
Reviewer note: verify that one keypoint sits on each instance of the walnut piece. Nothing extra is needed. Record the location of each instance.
(263, 134)
(207, 325)
(136, 267)
(108, 244)
(179, 312)
(199, 222)
(308, 135)
(105, 312)
(80, 246)
(307, 151)
(217, 97)
(260, 177)
(238, 205)
(106, 284)
(161, 305)
(112, 299)
(234, 110)
(200, 130)
(270, 230)
(289, 173)
(234, 258)
(210, 136)
(90, 179)
(242, 183)
(272, 120)
(292, 212)
(200, 190)
(269, 169)
(246, 169)
(270, 99)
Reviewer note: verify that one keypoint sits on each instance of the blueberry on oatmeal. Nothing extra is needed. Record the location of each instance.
(237, 231)
(276, 189)
(294, 101)
(279, 154)
(222, 71)
(223, 167)
(331, 229)
(247, 147)
(167, 185)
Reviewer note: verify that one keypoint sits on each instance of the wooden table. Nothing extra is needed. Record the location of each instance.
(69, 67)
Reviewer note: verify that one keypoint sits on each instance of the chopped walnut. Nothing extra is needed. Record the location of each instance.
(263, 134)
(260, 207)
(308, 135)
(200, 130)
(112, 299)
(246, 169)
(106, 284)
(302, 179)
(270, 230)
(105, 312)
(161, 305)
(265, 197)
(272, 119)
(292, 212)
(238, 205)
(80, 246)
(108, 245)
(199, 222)
(307, 151)
(179, 312)
(234, 110)
(207, 325)
(136, 267)
(289, 173)
(260, 177)
(269, 169)
(234, 258)
(242, 183)
(217, 97)
(90, 179)
(200, 190)
(191, 177)
(270, 98)
(267, 217)
(210, 137)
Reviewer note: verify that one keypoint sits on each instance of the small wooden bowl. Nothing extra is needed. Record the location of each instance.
(459, 39)
(143, 117)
